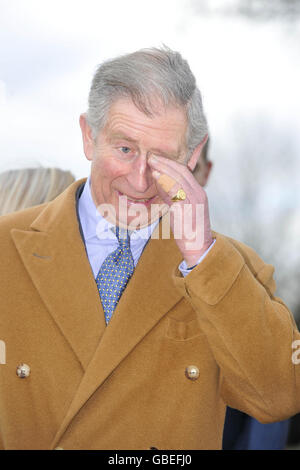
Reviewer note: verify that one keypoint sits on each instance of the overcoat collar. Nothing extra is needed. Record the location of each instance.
(55, 258)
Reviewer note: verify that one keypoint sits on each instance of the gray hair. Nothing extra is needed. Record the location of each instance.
(144, 76)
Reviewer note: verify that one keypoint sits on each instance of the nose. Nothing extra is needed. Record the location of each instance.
(140, 177)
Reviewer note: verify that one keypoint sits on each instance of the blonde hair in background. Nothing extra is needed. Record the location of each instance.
(28, 187)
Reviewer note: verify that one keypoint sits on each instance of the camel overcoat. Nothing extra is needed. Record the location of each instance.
(125, 386)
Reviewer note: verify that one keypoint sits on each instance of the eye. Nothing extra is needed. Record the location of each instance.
(125, 149)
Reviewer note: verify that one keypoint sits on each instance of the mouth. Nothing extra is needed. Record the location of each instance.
(146, 201)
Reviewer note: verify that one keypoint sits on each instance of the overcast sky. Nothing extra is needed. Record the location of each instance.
(49, 51)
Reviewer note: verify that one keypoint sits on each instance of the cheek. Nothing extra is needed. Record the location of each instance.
(107, 175)
(100, 166)
(109, 168)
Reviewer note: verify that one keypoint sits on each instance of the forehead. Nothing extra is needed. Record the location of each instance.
(168, 126)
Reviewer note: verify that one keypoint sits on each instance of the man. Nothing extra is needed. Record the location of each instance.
(115, 340)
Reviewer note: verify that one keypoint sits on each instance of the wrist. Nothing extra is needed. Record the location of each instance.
(192, 258)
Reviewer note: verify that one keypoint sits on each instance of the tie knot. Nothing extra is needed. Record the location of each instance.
(123, 236)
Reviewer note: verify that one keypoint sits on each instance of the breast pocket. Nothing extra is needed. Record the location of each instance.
(182, 330)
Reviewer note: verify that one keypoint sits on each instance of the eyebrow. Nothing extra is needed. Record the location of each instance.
(154, 151)
(122, 136)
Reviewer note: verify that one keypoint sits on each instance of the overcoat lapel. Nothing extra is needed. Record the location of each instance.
(54, 256)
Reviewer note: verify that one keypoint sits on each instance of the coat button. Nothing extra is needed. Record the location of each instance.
(23, 371)
(192, 372)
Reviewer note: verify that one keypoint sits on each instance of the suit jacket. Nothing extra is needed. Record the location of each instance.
(125, 386)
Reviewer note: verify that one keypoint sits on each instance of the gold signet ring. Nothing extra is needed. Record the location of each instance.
(179, 196)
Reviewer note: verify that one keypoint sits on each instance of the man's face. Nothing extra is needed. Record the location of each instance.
(120, 157)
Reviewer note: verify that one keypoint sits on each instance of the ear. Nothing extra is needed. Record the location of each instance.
(196, 154)
(207, 171)
(87, 138)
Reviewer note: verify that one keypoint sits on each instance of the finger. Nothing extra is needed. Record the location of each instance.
(161, 165)
(171, 181)
(175, 169)
(166, 182)
(170, 187)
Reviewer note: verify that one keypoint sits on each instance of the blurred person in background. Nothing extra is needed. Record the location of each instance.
(242, 432)
(29, 187)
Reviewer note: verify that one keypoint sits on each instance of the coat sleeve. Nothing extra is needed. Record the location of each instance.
(249, 330)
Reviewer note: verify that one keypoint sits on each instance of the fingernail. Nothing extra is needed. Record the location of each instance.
(155, 174)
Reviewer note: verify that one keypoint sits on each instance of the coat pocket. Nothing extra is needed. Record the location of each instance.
(182, 330)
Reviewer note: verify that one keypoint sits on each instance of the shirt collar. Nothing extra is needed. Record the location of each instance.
(94, 226)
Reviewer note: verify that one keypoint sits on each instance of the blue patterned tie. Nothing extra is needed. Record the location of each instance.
(115, 273)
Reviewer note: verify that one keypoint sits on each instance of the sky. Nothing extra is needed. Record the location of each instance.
(248, 71)
(49, 51)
